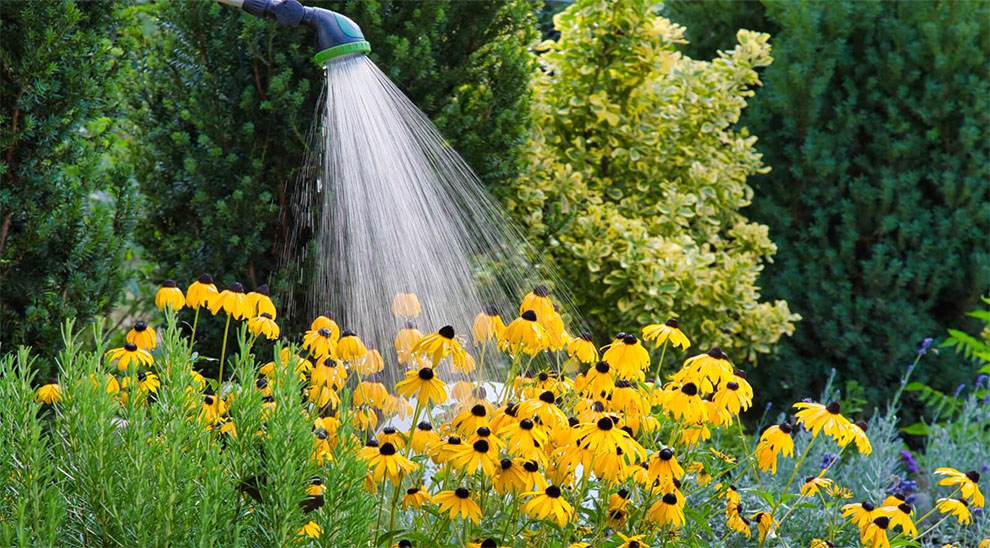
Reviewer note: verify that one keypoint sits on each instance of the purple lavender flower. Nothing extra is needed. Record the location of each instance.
(926, 343)
(980, 380)
(828, 459)
(907, 486)
(912, 465)
(959, 390)
(769, 405)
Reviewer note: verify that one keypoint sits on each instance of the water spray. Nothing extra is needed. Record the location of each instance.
(336, 34)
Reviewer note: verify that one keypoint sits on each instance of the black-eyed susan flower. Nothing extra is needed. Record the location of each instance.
(765, 524)
(478, 455)
(128, 354)
(814, 484)
(416, 497)
(818, 418)
(901, 514)
(486, 543)
(264, 325)
(437, 346)
(524, 438)
(406, 305)
(735, 395)
(604, 437)
(683, 403)
(458, 503)
(968, 482)
(774, 441)
(50, 392)
(663, 469)
(538, 300)
(524, 334)
(706, 370)
(169, 296)
(862, 513)
(669, 510)
(233, 301)
(388, 463)
(548, 504)
(424, 438)
(874, 534)
(212, 408)
(955, 507)
(599, 379)
(143, 335)
(370, 393)
(311, 530)
(321, 343)
(471, 419)
(488, 325)
(148, 381)
(405, 341)
(670, 330)
(544, 408)
(371, 363)
(260, 302)
(582, 348)
(326, 321)
(629, 358)
(350, 348)
(423, 385)
(857, 433)
(821, 543)
(738, 523)
(202, 292)
(314, 495)
(701, 474)
(635, 541)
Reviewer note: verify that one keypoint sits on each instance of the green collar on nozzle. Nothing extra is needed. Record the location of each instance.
(361, 46)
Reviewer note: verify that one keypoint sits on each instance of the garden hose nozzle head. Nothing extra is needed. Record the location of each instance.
(336, 35)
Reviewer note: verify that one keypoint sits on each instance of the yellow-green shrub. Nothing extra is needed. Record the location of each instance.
(636, 177)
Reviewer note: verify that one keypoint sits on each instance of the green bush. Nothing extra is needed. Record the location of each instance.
(874, 119)
(67, 201)
(225, 102)
(636, 179)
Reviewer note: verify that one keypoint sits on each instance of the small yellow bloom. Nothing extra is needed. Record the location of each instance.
(233, 301)
(406, 305)
(202, 292)
(264, 325)
(660, 333)
(169, 295)
(50, 392)
(143, 335)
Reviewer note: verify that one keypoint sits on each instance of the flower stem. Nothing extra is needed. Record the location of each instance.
(656, 376)
(223, 355)
(192, 339)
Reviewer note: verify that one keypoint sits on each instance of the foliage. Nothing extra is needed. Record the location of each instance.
(140, 468)
(636, 179)
(874, 117)
(67, 199)
(225, 102)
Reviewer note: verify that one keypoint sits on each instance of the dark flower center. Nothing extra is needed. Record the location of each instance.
(130, 347)
(623, 493)
(666, 454)
(266, 315)
(511, 409)
(208, 400)
(620, 335)
(268, 399)
(236, 287)
(670, 498)
(833, 407)
(630, 339)
(541, 291)
(605, 423)
(489, 543)
(484, 431)
(447, 332)
(412, 490)
(426, 374)
(526, 424)
(206, 279)
(168, 283)
(490, 310)
(862, 425)
(547, 397)
(425, 426)
(672, 323)
(505, 464)
(717, 353)
(634, 544)
(462, 493)
(543, 377)
(786, 427)
(387, 449)
(810, 479)
(529, 315)
(598, 407)
(690, 389)
(261, 383)
(262, 289)
(601, 367)
(572, 422)
(973, 476)
(140, 326)
(623, 383)
(405, 544)
(740, 373)
(321, 433)
(454, 440)
(388, 430)
(585, 336)
(530, 466)
(732, 385)
(142, 376)
(479, 410)
(347, 333)
(481, 446)
(552, 491)
(882, 522)
(371, 443)
(868, 506)
(904, 507)
(324, 332)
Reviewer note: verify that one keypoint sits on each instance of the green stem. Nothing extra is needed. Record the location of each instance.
(223, 355)
(745, 442)
(192, 339)
(656, 376)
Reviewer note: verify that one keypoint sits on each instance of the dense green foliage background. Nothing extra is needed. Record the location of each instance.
(874, 119)
(67, 199)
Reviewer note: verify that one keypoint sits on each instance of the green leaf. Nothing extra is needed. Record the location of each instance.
(917, 429)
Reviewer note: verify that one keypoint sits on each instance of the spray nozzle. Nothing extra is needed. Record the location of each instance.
(336, 35)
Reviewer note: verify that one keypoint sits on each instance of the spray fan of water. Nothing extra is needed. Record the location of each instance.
(394, 209)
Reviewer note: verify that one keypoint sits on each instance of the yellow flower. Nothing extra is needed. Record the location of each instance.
(735, 395)
(424, 438)
(765, 524)
(817, 418)
(311, 529)
(478, 455)
(260, 302)
(424, 385)
(628, 357)
(857, 433)
(50, 392)
(350, 348)
(388, 463)
(669, 510)
(321, 343)
(538, 300)
(874, 534)
(416, 497)
(900, 515)
(518, 476)
(487, 543)
(202, 292)
(663, 469)
(233, 301)
(670, 330)
(683, 403)
(813, 484)
(776, 440)
(605, 437)
(821, 543)
(706, 370)
(371, 393)
(583, 349)
(524, 438)
(969, 483)
(955, 507)
(405, 341)
(545, 409)
(458, 503)
(439, 345)
(524, 334)
(264, 325)
(326, 322)
(632, 542)
(406, 304)
(127, 354)
(488, 325)
(143, 335)
(548, 504)
(169, 295)
(148, 381)
(598, 380)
